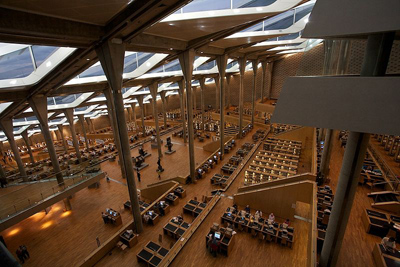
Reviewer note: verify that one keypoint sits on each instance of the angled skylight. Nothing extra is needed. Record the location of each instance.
(208, 5)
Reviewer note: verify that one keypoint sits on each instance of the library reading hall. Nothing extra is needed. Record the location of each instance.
(200, 133)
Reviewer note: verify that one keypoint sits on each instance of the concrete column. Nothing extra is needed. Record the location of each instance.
(133, 106)
(375, 63)
(253, 92)
(24, 135)
(194, 99)
(90, 125)
(140, 100)
(69, 114)
(115, 127)
(154, 91)
(242, 67)
(129, 110)
(39, 107)
(228, 81)
(111, 56)
(182, 100)
(217, 90)
(164, 107)
(203, 112)
(82, 120)
(186, 60)
(60, 129)
(270, 67)
(326, 153)
(7, 127)
(264, 65)
(221, 64)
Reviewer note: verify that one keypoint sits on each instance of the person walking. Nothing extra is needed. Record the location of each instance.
(98, 241)
(138, 175)
(20, 256)
(25, 252)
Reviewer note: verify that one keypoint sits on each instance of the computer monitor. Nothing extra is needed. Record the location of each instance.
(217, 235)
(229, 214)
(150, 213)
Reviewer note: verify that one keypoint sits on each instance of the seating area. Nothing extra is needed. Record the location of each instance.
(278, 160)
(324, 207)
(194, 207)
(258, 226)
(278, 128)
(391, 144)
(176, 227)
(152, 254)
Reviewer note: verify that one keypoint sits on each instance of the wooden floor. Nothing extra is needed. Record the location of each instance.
(66, 238)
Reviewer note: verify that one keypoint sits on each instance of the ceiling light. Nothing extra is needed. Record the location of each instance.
(13, 81)
(48, 64)
(259, 8)
(306, 21)
(171, 48)
(171, 24)
(88, 59)
(211, 40)
(148, 64)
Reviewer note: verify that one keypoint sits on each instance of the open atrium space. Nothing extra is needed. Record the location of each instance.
(196, 133)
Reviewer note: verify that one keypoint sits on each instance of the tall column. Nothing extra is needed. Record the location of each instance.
(242, 68)
(111, 56)
(253, 92)
(182, 100)
(270, 67)
(90, 125)
(129, 110)
(154, 91)
(60, 129)
(133, 106)
(186, 60)
(164, 107)
(221, 64)
(140, 100)
(39, 107)
(69, 114)
(194, 99)
(375, 63)
(326, 152)
(228, 81)
(82, 120)
(202, 86)
(264, 65)
(217, 90)
(7, 127)
(115, 127)
(24, 135)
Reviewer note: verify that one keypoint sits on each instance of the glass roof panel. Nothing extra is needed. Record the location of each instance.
(302, 11)
(66, 99)
(17, 64)
(130, 63)
(251, 3)
(206, 5)
(41, 53)
(143, 57)
(172, 66)
(207, 65)
(94, 70)
(281, 21)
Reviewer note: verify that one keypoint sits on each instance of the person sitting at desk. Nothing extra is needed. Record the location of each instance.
(259, 213)
(199, 173)
(286, 224)
(247, 209)
(271, 218)
(146, 217)
(105, 218)
(215, 159)
(389, 243)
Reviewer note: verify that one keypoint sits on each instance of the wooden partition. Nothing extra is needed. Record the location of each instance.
(215, 145)
(314, 161)
(281, 200)
(153, 192)
(263, 107)
(269, 184)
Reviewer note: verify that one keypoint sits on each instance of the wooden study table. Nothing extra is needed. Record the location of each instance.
(226, 242)
(194, 207)
(375, 223)
(152, 254)
(385, 258)
(114, 219)
(130, 242)
(219, 179)
(172, 199)
(180, 192)
(175, 229)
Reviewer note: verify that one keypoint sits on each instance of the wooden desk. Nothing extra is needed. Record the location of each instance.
(172, 199)
(180, 192)
(152, 254)
(385, 258)
(375, 223)
(129, 242)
